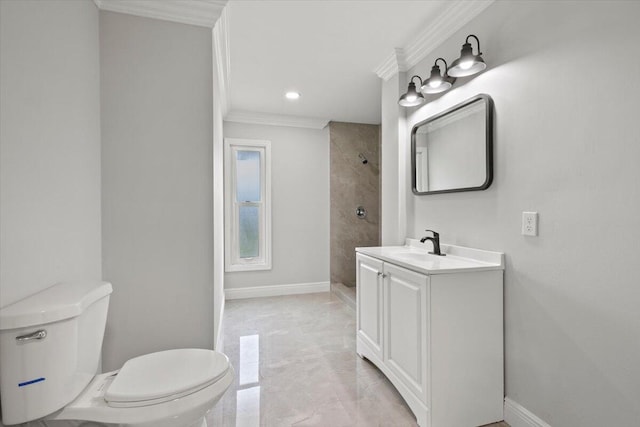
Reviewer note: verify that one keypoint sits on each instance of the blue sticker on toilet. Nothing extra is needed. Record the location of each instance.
(26, 383)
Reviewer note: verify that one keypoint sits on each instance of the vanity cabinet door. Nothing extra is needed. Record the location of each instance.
(406, 327)
(369, 302)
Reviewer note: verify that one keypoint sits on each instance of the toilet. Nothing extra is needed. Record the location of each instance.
(50, 346)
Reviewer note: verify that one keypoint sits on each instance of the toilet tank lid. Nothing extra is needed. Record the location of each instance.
(58, 302)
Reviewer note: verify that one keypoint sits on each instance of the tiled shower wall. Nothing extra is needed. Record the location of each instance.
(353, 184)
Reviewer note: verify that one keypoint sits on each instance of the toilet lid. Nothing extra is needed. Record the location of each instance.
(165, 375)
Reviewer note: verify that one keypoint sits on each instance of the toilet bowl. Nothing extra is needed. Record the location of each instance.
(49, 352)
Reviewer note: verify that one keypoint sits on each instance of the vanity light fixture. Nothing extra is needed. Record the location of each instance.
(438, 82)
(292, 95)
(468, 63)
(412, 98)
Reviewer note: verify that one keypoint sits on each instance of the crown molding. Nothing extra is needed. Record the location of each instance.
(394, 64)
(454, 17)
(220, 42)
(275, 120)
(203, 13)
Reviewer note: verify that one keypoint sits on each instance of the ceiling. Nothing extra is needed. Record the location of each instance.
(333, 52)
(203, 13)
(325, 50)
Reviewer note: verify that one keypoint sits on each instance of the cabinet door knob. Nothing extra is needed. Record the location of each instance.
(379, 273)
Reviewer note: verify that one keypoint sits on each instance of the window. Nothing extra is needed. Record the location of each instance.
(248, 207)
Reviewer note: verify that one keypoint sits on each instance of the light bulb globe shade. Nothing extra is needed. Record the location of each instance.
(442, 87)
(412, 101)
(468, 64)
(467, 68)
(437, 83)
(412, 98)
(435, 79)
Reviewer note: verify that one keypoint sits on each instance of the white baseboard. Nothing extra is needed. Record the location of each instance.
(276, 290)
(517, 415)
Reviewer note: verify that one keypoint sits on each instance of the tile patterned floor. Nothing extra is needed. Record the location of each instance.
(296, 365)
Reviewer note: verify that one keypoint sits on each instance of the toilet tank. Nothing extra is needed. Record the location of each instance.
(50, 346)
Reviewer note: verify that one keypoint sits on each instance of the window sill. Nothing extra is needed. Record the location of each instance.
(233, 268)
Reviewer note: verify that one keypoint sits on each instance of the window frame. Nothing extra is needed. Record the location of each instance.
(233, 262)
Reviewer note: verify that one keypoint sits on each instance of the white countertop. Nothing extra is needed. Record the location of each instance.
(415, 256)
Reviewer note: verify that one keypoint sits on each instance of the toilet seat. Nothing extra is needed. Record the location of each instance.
(173, 411)
(163, 376)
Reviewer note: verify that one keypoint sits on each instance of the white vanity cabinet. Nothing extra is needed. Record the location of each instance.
(405, 321)
(369, 271)
(434, 327)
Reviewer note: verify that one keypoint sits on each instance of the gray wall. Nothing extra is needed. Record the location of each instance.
(156, 185)
(393, 199)
(49, 145)
(299, 205)
(353, 184)
(563, 76)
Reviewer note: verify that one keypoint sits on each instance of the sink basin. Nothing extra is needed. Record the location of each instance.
(415, 256)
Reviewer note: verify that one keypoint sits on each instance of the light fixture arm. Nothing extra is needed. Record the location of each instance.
(446, 66)
(477, 42)
(419, 78)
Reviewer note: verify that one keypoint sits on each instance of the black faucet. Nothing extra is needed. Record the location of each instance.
(436, 243)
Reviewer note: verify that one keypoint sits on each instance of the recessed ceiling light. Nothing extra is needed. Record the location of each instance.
(292, 95)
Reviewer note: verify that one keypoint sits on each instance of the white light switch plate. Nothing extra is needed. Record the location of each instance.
(529, 223)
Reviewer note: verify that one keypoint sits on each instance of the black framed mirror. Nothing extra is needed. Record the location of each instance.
(453, 150)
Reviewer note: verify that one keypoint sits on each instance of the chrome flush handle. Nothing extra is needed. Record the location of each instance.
(37, 335)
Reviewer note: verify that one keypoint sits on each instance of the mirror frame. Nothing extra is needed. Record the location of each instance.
(488, 150)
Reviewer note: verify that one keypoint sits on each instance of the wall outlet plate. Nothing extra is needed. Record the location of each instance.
(529, 223)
